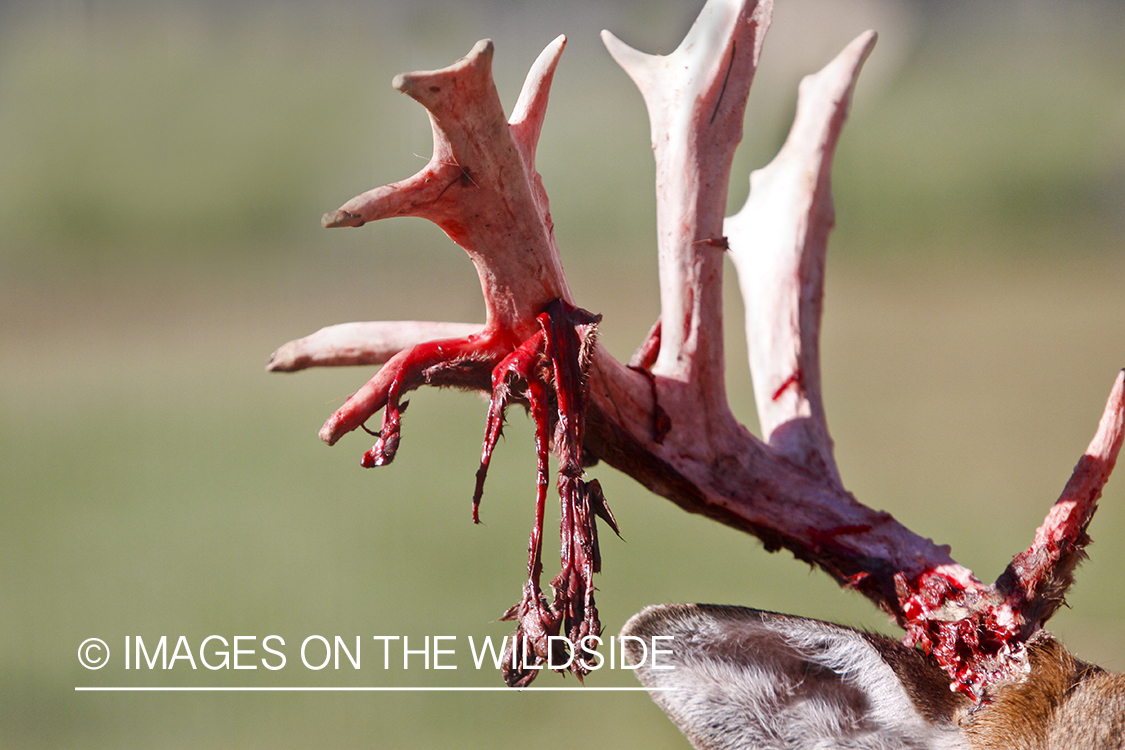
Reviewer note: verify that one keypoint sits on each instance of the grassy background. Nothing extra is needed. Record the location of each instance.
(162, 169)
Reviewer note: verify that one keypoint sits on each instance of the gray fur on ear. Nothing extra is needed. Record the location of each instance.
(751, 679)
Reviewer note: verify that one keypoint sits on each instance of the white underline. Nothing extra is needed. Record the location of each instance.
(312, 689)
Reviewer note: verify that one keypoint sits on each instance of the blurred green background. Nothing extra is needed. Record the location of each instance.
(163, 167)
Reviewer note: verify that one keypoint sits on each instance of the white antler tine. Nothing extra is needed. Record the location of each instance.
(696, 97)
(778, 243)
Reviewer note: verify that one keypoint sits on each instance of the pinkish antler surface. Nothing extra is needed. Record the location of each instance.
(664, 418)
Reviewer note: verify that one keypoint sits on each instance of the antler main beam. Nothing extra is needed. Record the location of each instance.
(664, 418)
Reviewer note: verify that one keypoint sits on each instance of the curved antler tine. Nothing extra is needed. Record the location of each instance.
(696, 97)
(369, 343)
(462, 102)
(480, 186)
(1037, 579)
(778, 243)
(527, 116)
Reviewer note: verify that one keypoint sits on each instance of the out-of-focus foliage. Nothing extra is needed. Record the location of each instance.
(1009, 128)
(122, 136)
(179, 132)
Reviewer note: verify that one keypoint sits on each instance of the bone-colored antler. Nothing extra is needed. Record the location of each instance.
(664, 418)
(778, 243)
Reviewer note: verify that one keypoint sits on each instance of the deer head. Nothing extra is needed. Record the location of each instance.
(663, 417)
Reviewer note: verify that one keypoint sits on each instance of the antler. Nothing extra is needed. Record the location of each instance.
(664, 418)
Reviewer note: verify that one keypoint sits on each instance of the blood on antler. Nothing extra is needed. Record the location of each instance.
(664, 418)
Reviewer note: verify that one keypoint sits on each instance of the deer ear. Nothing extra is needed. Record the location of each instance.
(732, 677)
